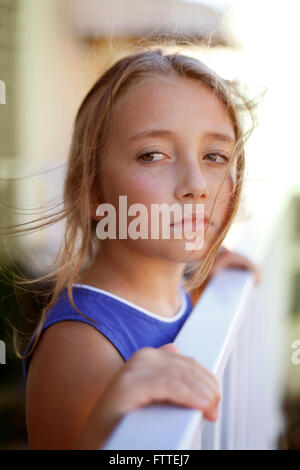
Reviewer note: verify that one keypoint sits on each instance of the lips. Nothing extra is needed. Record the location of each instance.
(189, 220)
(189, 225)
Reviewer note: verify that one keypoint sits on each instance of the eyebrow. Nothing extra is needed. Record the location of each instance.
(167, 133)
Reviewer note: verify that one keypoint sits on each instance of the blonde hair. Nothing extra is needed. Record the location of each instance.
(90, 137)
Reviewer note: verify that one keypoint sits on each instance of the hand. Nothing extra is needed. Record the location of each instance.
(151, 375)
(229, 259)
(158, 375)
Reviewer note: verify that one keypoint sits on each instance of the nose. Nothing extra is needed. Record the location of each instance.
(191, 183)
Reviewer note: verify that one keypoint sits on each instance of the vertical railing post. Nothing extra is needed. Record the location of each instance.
(232, 391)
(212, 430)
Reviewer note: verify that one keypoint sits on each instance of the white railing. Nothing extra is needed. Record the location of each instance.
(236, 330)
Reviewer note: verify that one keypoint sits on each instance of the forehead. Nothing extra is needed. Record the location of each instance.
(179, 103)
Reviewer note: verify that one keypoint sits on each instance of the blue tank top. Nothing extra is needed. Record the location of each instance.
(126, 325)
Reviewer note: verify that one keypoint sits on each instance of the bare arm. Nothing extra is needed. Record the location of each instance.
(70, 368)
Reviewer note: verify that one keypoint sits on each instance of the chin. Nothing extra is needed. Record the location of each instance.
(181, 255)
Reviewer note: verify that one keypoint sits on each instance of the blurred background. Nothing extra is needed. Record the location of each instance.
(52, 52)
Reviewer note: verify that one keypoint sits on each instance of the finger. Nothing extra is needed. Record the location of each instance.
(189, 367)
(215, 414)
(257, 273)
(205, 390)
(237, 261)
(201, 373)
(220, 264)
(172, 347)
(182, 394)
(247, 264)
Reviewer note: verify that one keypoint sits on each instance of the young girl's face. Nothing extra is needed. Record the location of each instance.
(191, 137)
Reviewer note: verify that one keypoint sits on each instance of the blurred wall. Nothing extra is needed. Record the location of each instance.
(55, 71)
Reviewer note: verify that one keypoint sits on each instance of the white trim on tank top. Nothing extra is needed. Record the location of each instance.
(175, 317)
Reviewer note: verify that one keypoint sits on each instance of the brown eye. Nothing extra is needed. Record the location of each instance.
(213, 157)
(149, 156)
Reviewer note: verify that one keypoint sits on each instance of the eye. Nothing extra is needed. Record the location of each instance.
(213, 157)
(154, 153)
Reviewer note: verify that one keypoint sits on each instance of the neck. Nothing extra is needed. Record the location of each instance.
(145, 280)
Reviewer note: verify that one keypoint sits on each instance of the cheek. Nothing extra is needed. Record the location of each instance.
(142, 181)
(144, 188)
(139, 187)
(228, 185)
(224, 197)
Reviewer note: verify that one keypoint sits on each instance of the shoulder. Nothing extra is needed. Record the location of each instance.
(69, 343)
(74, 338)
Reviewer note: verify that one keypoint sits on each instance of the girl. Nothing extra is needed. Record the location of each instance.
(158, 128)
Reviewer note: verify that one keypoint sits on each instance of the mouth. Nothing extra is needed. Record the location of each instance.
(190, 223)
